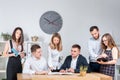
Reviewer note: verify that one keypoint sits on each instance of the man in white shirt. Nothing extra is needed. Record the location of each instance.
(36, 64)
(94, 48)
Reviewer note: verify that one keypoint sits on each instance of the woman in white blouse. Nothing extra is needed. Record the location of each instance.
(54, 52)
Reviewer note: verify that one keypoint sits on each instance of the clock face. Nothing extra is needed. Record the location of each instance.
(50, 22)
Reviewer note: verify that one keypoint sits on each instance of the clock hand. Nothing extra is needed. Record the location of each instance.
(47, 20)
(52, 21)
(55, 19)
(54, 24)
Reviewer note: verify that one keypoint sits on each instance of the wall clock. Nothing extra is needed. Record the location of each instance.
(51, 22)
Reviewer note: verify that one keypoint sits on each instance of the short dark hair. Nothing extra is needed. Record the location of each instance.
(76, 46)
(94, 27)
(34, 47)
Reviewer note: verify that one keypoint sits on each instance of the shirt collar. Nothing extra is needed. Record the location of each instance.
(34, 58)
(75, 58)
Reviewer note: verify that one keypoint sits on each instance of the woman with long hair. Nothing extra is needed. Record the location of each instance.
(54, 52)
(110, 51)
(14, 51)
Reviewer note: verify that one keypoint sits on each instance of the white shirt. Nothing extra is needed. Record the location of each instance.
(32, 65)
(14, 46)
(94, 48)
(74, 62)
(54, 58)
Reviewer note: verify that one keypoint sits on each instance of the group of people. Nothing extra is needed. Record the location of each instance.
(103, 47)
(98, 47)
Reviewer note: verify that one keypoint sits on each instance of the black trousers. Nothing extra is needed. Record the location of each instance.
(14, 66)
(94, 66)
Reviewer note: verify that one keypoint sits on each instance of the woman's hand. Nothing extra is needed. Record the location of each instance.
(102, 56)
(101, 62)
(51, 68)
(10, 55)
(22, 54)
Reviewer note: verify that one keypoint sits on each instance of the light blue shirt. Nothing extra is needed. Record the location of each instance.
(94, 48)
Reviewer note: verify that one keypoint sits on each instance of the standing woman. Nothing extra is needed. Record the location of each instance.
(110, 51)
(14, 65)
(54, 52)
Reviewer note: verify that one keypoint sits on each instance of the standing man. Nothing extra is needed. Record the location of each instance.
(94, 48)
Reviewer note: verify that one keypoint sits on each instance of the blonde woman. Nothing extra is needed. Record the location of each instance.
(54, 52)
(110, 51)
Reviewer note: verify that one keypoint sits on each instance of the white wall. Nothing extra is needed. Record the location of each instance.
(78, 16)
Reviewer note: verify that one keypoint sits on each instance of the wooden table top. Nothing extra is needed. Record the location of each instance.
(89, 76)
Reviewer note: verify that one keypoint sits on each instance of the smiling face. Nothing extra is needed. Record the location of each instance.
(105, 41)
(75, 52)
(37, 53)
(95, 34)
(56, 40)
(17, 34)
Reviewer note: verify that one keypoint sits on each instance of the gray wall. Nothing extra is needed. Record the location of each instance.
(78, 16)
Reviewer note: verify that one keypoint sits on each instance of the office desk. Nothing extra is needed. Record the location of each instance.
(102, 76)
(89, 76)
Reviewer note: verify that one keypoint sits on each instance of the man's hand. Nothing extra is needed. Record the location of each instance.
(70, 70)
(62, 71)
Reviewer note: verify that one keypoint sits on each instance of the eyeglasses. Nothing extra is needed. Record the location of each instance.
(104, 40)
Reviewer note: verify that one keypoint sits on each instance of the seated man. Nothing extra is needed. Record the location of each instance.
(74, 61)
(36, 64)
